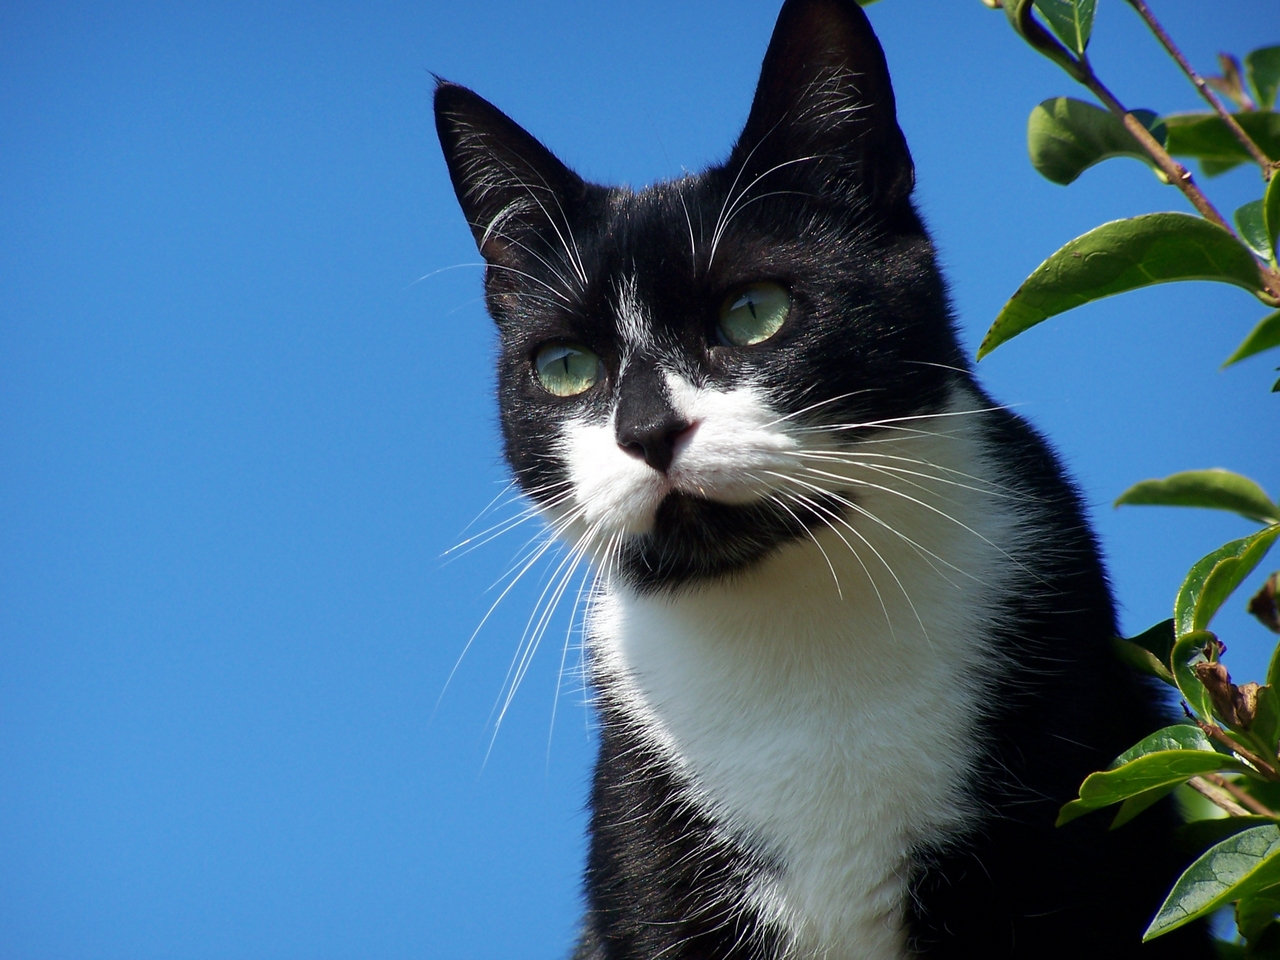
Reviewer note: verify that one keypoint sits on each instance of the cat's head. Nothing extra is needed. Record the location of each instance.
(673, 359)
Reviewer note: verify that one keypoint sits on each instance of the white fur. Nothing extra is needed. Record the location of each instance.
(635, 328)
(734, 442)
(822, 703)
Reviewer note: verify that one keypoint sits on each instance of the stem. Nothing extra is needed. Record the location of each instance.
(1260, 158)
(1215, 732)
(1253, 803)
(1216, 795)
(1079, 69)
(1178, 175)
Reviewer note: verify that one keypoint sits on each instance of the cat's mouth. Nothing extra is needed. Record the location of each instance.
(694, 537)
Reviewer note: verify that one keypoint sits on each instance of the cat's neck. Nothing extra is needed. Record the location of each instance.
(821, 705)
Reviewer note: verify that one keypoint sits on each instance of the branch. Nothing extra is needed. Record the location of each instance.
(1178, 175)
(1253, 803)
(1079, 68)
(1216, 795)
(1265, 162)
(1215, 732)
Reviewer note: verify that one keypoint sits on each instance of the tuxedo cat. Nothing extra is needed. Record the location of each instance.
(849, 634)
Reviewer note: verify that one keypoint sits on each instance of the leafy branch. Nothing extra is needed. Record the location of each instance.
(1261, 159)
(1066, 136)
(1228, 749)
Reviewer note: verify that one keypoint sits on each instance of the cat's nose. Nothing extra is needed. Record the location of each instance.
(653, 439)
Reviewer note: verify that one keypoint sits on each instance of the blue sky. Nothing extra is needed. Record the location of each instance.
(239, 430)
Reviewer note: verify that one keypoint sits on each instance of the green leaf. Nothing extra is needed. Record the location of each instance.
(1205, 137)
(1216, 489)
(1262, 68)
(1215, 576)
(1253, 229)
(1020, 18)
(1141, 659)
(1257, 911)
(1066, 136)
(1226, 950)
(1211, 168)
(1237, 867)
(1135, 805)
(1262, 337)
(1071, 20)
(1265, 727)
(1149, 651)
(1166, 768)
(1158, 639)
(1271, 213)
(1124, 255)
(1265, 792)
(1185, 651)
(1194, 837)
(1180, 736)
(1273, 668)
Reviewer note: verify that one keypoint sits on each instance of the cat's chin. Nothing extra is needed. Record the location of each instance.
(695, 538)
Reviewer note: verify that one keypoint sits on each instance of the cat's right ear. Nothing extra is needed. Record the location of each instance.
(509, 184)
(824, 109)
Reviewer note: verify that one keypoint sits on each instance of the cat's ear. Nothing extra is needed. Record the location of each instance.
(509, 184)
(824, 100)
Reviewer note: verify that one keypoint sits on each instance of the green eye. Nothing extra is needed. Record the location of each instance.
(753, 314)
(566, 370)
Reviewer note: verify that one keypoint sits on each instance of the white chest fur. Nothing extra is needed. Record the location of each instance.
(822, 705)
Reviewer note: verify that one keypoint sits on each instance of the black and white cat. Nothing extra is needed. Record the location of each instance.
(849, 640)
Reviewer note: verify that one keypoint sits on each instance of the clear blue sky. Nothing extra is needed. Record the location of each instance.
(238, 432)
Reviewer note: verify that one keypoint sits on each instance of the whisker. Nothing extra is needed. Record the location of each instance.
(533, 633)
(723, 220)
(570, 260)
(715, 233)
(546, 545)
(927, 506)
(870, 579)
(820, 403)
(857, 556)
(530, 276)
(487, 536)
(906, 596)
(856, 455)
(871, 424)
(433, 273)
(506, 488)
(693, 246)
(924, 552)
(492, 231)
(805, 528)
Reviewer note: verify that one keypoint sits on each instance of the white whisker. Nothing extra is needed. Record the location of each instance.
(805, 528)
(905, 496)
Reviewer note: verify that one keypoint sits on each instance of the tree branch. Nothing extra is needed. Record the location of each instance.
(1253, 803)
(1215, 732)
(1266, 163)
(1216, 795)
(1177, 174)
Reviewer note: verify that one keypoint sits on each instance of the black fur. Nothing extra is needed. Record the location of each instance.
(826, 214)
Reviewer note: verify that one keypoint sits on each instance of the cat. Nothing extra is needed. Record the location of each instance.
(849, 636)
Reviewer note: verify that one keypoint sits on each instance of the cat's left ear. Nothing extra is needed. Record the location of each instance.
(824, 107)
(510, 186)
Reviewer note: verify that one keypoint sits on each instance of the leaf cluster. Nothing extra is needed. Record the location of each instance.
(1228, 747)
